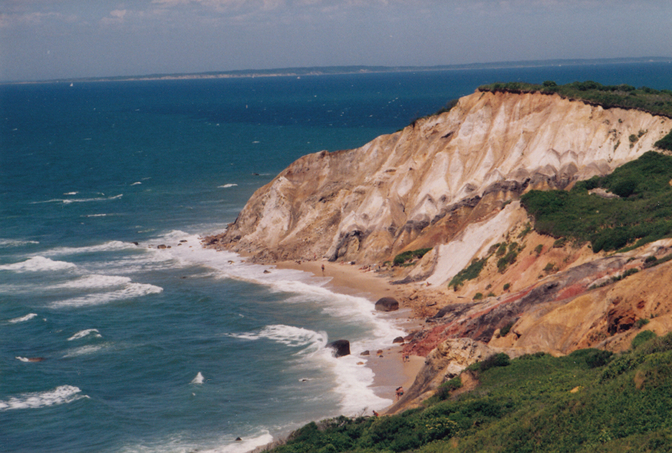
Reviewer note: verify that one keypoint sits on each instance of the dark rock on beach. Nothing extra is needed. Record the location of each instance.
(387, 304)
(341, 347)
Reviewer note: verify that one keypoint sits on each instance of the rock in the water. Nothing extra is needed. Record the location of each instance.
(341, 347)
(398, 340)
(387, 304)
(365, 352)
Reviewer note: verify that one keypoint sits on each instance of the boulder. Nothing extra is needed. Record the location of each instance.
(398, 340)
(387, 304)
(365, 352)
(341, 347)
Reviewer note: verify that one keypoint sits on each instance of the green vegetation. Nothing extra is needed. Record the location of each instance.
(468, 273)
(652, 261)
(588, 401)
(409, 256)
(508, 258)
(642, 214)
(665, 142)
(504, 331)
(506, 286)
(657, 102)
(478, 296)
(641, 323)
(642, 337)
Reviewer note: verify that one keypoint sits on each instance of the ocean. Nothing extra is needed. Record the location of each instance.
(111, 344)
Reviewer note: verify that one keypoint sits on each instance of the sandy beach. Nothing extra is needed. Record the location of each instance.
(389, 368)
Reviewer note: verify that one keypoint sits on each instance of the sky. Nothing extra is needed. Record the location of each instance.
(54, 39)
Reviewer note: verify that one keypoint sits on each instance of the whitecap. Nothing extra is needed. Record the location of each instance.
(70, 193)
(60, 395)
(198, 379)
(93, 281)
(131, 291)
(77, 200)
(83, 350)
(15, 242)
(38, 264)
(137, 183)
(226, 186)
(86, 200)
(110, 246)
(28, 317)
(84, 333)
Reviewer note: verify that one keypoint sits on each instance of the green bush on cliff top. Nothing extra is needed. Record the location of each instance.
(642, 214)
(587, 401)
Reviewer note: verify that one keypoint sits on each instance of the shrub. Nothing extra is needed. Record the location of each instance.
(478, 296)
(506, 286)
(641, 323)
(409, 255)
(496, 360)
(538, 249)
(559, 243)
(642, 337)
(443, 392)
(506, 329)
(507, 260)
(665, 142)
(468, 273)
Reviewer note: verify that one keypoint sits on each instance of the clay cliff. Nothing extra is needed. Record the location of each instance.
(424, 185)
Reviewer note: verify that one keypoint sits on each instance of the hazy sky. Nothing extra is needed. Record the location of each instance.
(47, 39)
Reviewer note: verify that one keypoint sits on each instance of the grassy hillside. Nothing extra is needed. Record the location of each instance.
(589, 401)
(657, 102)
(641, 213)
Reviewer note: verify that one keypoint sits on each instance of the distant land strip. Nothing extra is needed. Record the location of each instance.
(334, 70)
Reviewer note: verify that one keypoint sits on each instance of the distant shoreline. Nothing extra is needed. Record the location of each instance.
(344, 70)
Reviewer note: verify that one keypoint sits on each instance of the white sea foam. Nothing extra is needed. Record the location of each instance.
(83, 350)
(226, 186)
(287, 335)
(93, 281)
(23, 359)
(78, 200)
(15, 242)
(198, 379)
(226, 444)
(136, 183)
(84, 333)
(131, 291)
(28, 317)
(60, 395)
(111, 246)
(70, 193)
(38, 264)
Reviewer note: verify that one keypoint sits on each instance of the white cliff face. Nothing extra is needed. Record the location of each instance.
(422, 186)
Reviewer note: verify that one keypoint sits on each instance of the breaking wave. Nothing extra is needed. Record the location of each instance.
(28, 317)
(60, 395)
(38, 264)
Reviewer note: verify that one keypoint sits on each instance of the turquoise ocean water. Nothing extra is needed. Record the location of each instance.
(148, 350)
